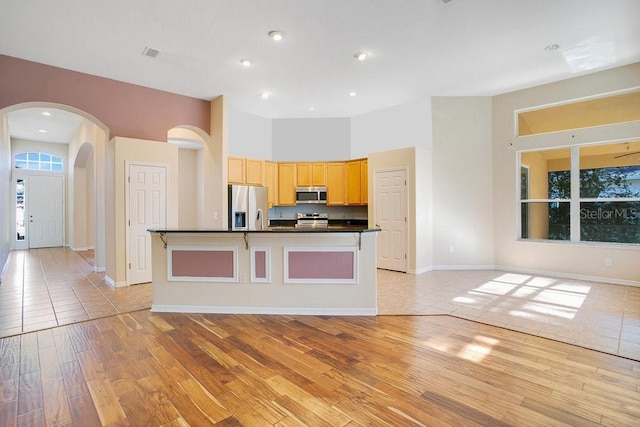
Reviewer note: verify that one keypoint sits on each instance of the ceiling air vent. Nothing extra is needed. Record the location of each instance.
(446, 1)
(150, 52)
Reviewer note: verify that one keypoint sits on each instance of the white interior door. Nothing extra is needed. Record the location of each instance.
(45, 207)
(147, 209)
(391, 217)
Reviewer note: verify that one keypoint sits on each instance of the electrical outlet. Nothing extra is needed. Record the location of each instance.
(608, 262)
(452, 249)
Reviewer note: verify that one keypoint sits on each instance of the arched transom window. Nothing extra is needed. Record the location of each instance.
(38, 161)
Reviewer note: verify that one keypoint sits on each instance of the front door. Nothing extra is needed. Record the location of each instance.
(147, 209)
(45, 207)
(391, 218)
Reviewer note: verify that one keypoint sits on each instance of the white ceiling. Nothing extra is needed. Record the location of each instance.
(418, 48)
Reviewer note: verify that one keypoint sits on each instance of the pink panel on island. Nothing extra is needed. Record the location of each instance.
(321, 265)
(260, 264)
(191, 263)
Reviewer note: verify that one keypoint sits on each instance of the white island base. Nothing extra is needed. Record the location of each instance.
(265, 272)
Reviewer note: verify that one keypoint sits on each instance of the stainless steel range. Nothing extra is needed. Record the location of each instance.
(312, 220)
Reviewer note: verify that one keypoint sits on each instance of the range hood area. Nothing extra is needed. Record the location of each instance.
(333, 216)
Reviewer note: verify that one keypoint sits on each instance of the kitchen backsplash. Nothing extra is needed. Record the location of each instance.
(335, 212)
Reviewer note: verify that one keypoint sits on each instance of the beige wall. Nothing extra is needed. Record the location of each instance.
(86, 153)
(573, 259)
(462, 182)
(188, 199)
(214, 164)
(5, 192)
(124, 150)
(424, 207)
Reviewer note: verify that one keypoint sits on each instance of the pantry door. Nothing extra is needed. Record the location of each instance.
(147, 208)
(390, 207)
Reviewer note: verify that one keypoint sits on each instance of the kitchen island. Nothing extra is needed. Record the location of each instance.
(280, 270)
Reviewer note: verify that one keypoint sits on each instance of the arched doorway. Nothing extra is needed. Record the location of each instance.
(190, 141)
(84, 172)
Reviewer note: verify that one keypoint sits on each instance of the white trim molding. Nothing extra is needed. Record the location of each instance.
(217, 279)
(207, 309)
(316, 249)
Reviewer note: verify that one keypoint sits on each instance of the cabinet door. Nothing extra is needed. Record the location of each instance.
(335, 183)
(235, 170)
(271, 182)
(353, 182)
(255, 171)
(286, 184)
(303, 177)
(364, 182)
(319, 174)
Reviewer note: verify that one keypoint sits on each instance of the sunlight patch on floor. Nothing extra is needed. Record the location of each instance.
(479, 349)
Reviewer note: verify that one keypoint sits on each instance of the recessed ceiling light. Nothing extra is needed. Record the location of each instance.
(246, 62)
(352, 94)
(46, 113)
(265, 95)
(311, 108)
(276, 35)
(552, 47)
(361, 56)
(42, 130)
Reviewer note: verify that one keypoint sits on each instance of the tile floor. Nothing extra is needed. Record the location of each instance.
(43, 288)
(594, 315)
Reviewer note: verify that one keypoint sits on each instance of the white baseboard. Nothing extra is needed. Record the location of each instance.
(450, 267)
(420, 270)
(265, 310)
(463, 267)
(611, 280)
(4, 269)
(99, 269)
(83, 248)
(113, 283)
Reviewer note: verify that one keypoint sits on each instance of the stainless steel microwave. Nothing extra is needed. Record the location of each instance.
(306, 195)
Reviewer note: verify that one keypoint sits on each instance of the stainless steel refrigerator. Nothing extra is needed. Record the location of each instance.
(248, 207)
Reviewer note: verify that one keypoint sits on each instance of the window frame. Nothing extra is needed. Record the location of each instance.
(575, 200)
(44, 162)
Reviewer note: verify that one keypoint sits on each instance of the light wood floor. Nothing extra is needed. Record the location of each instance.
(142, 368)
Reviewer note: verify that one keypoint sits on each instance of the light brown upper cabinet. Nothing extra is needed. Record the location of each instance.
(336, 183)
(318, 174)
(353, 182)
(271, 182)
(364, 181)
(303, 174)
(311, 174)
(357, 182)
(254, 171)
(286, 184)
(236, 170)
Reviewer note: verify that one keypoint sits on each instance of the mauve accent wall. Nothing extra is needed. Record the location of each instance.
(217, 264)
(261, 264)
(127, 110)
(321, 265)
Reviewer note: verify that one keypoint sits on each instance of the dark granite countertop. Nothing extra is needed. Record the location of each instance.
(276, 229)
